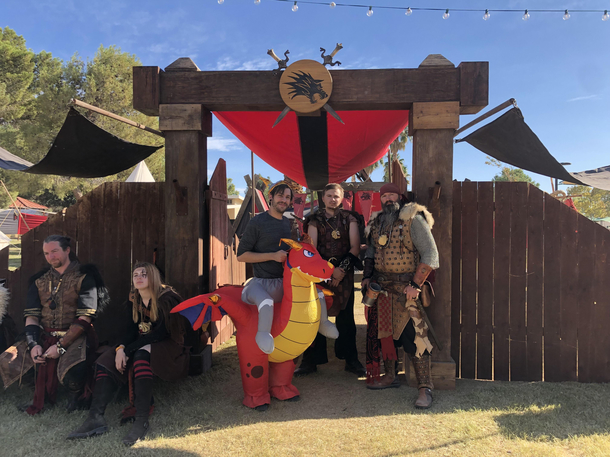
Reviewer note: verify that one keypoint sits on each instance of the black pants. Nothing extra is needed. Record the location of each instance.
(345, 345)
(407, 339)
(76, 377)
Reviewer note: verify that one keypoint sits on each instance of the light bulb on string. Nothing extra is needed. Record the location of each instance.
(257, 2)
(486, 15)
(369, 13)
(333, 4)
(295, 7)
(526, 15)
(220, 2)
(606, 16)
(566, 15)
(409, 12)
(446, 15)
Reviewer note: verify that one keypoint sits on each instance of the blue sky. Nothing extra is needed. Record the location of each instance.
(558, 71)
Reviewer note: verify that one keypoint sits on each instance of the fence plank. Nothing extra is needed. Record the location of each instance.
(469, 279)
(552, 272)
(97, 242)
(83, 228)
(139, 225)
(161, 228)
(601, 307)
(586, 297)
(535, 257)
(4, 263)
(569, 296)
(17, 302)
(456, 294)
(152, 212)
(518, 236)
(485, 280)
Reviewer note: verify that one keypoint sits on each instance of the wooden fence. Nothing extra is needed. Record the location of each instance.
(531, 287)
(113, 226)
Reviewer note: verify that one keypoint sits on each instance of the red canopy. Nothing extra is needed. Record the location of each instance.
(33, 220)
(316, 150)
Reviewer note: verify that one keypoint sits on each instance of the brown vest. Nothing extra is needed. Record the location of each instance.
(329, 247)
(66, 297)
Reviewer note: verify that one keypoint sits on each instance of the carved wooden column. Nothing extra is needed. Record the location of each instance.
(186, 128)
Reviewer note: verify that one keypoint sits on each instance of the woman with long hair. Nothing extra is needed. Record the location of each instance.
(152, 345)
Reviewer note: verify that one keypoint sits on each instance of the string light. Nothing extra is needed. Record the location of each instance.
(409, 10)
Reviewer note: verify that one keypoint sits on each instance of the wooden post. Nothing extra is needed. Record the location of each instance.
(186, 128)
(432, 126)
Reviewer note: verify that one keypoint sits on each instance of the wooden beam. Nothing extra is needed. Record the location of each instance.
(146, 90)
(435, 115)
(474, 86)
(185, 117)
(352, 89)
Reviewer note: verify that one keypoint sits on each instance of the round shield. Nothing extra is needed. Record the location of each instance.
(305, 86)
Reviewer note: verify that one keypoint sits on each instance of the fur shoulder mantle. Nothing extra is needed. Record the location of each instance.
(407, 212)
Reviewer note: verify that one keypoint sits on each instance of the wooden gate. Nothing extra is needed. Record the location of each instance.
(223, 265)
(530, 289)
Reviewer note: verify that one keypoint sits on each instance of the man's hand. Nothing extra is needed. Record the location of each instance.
(411, 293)
(280, 256)
(51, 353)
(36, 354)
(365, 283)
(120, 360)
(337, 277)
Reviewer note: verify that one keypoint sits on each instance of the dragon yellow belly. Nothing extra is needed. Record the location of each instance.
(302, 326)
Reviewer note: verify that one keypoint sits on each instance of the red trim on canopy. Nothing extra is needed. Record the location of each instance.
(362, 141)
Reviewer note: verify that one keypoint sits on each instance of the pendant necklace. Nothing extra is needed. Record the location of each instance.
(336, 234)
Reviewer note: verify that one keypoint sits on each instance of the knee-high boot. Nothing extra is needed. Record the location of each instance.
(143, 384)
(389, 379)
(103, 391)
(421, 366)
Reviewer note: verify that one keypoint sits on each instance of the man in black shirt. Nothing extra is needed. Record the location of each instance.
(261, 246)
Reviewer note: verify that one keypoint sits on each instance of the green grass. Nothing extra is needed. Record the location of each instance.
(337, 416)
(14, 254)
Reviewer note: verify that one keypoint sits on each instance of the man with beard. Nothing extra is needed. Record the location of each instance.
(334, 233)
(261, 246)
(401, 254)
(62, 301)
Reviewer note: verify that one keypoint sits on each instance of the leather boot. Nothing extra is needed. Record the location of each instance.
(143, 385)
(389, 379)
(421, 366)
(96, 424)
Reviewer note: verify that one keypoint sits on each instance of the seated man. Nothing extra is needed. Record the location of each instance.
(261, 245)
(62, 301)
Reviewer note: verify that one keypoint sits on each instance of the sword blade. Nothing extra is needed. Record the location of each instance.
(281, 116)
(333, 113)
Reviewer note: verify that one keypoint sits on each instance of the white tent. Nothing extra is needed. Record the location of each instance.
(141, 174)
(4, 241)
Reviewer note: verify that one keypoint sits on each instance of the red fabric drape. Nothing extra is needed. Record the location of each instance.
(32, 221)
(363, 140)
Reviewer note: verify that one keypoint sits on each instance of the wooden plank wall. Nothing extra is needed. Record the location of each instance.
(530, 293)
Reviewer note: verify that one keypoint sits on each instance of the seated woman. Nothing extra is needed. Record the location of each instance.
(154, 344)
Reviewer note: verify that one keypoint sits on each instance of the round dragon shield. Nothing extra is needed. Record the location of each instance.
(305, 86)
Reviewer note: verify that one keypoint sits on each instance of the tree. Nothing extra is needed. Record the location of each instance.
(231, 190)
(399, 144)
(592, 203)
(509, 174)
(16, 74)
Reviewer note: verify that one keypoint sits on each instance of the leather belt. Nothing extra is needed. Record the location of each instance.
(394, 277)
(58, 334)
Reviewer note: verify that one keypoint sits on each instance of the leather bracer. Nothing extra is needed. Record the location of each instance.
(421, 274)
(369, 268)
(32, 335)
(349, 261)
(77, 328)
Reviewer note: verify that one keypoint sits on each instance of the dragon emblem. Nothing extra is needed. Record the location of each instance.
(304, 84)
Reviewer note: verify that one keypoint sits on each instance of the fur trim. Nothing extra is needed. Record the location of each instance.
(4, 299)
(407, 212)
(103, 297)
(410, 210)
(34, 277)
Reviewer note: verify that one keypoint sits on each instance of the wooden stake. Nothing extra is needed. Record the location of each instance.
(489, 113)
(115, 116)
(19, 212)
